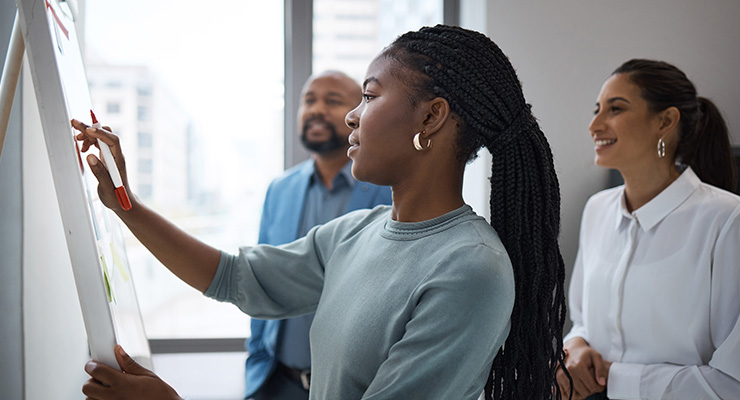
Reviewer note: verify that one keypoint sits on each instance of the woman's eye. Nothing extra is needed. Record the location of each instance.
(615, 109)
(367, 97)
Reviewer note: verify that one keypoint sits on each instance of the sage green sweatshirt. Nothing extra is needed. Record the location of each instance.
(403, 310)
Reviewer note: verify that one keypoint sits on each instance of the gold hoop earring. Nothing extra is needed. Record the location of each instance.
(661, 148)
(417, 144)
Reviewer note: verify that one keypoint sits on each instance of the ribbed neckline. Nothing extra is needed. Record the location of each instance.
(396, 230)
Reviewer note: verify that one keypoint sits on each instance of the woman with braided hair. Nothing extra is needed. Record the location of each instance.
(654, 291)
(422, 299)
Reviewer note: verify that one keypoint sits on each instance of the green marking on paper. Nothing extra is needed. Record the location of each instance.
(118, 263)
(106, 279)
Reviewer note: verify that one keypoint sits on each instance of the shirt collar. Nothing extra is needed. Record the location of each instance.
(345, 173)
(661, 205)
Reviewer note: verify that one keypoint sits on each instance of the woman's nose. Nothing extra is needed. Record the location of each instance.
(596, 124)
(351, 119)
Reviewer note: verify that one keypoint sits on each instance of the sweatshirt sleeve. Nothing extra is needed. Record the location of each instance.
(271, 282)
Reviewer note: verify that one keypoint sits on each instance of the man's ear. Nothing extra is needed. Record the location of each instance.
(437, 112)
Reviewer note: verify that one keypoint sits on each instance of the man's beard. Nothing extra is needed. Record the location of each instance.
(334, 142)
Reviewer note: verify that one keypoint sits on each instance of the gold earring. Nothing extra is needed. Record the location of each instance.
(661, 148)
(417, 144)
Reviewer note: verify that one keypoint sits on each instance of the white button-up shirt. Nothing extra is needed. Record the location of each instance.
(657, 291)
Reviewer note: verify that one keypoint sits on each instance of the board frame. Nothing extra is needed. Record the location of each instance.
(94, 237)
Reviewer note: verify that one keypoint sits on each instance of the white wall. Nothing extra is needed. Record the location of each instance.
(11, 227)
(563, 50)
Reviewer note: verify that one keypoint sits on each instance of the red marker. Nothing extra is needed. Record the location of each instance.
(115, 176)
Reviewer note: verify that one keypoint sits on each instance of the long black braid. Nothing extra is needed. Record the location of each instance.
(480, 84)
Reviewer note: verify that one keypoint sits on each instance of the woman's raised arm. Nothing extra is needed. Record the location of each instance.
(187, 257)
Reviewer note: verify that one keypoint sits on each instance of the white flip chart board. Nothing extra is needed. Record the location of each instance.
(94, 239)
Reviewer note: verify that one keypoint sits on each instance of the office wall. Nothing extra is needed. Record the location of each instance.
(563, 50)
(11, 369)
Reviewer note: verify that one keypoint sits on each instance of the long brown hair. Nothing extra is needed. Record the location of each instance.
(704, 142)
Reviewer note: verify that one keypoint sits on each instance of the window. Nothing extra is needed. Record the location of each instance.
(348, 35)
(145, 166)
(145, 140)
(208, 120)
(142, 113)
(145, 191)
(144, 91)
(113, 108)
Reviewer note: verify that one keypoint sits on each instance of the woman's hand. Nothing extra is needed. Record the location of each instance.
(135, 382)
(90, 137)
(587, 368)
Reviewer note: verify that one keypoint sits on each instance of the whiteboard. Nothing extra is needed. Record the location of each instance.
(94, 238)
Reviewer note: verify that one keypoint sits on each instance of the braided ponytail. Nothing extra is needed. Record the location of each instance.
(480, 84)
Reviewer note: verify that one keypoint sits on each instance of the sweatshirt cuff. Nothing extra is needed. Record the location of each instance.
(624, 381)
(218, 289)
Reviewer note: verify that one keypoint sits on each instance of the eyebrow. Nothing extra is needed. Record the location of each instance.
(330, 94)
(370, 79)
(613, 99)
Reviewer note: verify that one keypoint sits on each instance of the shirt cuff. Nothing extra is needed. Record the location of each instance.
(576, 331)
(624, 381)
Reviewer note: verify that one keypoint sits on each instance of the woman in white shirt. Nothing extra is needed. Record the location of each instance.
(654, 292)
